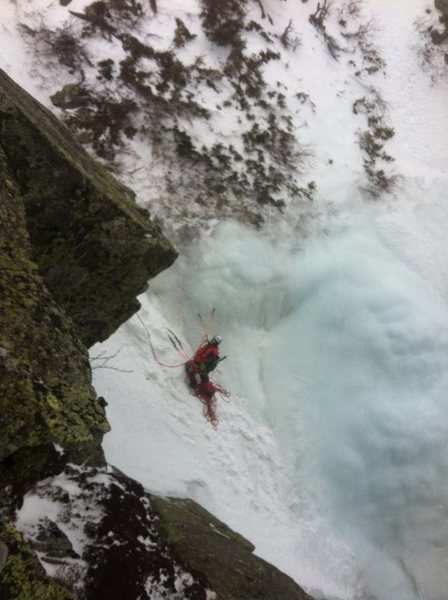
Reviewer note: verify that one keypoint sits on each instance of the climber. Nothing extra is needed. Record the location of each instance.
(203, 362)
(206, 359)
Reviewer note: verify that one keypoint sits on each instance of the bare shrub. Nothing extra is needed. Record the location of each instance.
(372, 141)
(289, 38)
(361, 35)
(318, 19)
(223, 21)
(62, 44)
(353, 8)
(432, 53)
(103, 15)
(182, 35)
(104, 123)
(153, 94)
(102, 361)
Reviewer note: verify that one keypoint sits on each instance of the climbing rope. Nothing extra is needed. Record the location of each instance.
(153, 351)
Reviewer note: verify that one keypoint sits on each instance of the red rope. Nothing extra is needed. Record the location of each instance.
(208, 399)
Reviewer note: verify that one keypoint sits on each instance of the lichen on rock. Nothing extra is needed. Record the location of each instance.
(23, 578)
(45, 384)
(95, 249)
(75, 250)
(119, 551)
(208, 547)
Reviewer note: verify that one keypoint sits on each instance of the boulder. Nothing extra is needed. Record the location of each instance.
(23, 577)
(95, 249)
(53, 542)
(70, 96)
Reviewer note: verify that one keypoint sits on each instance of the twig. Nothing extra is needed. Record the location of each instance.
(105, 359)
(263, 14)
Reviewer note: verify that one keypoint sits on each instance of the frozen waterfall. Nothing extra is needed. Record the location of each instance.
(337, 357)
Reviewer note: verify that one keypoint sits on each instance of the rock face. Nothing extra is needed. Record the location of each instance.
(23, 577)
(138, 545)
(209, 547)
(120, 553)
(3, 555)
(94, 248)
(74, 252)
(45, 387)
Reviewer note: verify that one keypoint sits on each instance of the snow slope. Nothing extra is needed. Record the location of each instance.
(331, 455)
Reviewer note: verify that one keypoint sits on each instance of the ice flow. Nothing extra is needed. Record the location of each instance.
(341, 349)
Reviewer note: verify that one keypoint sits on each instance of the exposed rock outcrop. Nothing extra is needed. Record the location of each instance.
(23, 577)
(70, 96)
(3, 555)
(95, 249)
(139, 545)
(74, 252)
(45, 383)
(120, 553)
(209, 547)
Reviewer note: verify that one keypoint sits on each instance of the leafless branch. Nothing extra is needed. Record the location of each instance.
(103, 360)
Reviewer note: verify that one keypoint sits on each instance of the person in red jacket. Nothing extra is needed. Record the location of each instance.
(203, 362)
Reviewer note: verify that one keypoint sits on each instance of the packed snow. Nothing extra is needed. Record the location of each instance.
(331, 455)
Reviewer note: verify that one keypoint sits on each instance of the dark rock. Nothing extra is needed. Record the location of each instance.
(95, 250)
(442, 5)
(3, 555)
(124, 556)
(102, 401)
(64, 2)
(206, 545)
(23, 577)
(122, 569)
(53, 542)
(40, 353)
(72, 95)
(438, 37)
(144, 546)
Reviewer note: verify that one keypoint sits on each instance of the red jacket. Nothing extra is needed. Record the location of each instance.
(206, 358)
